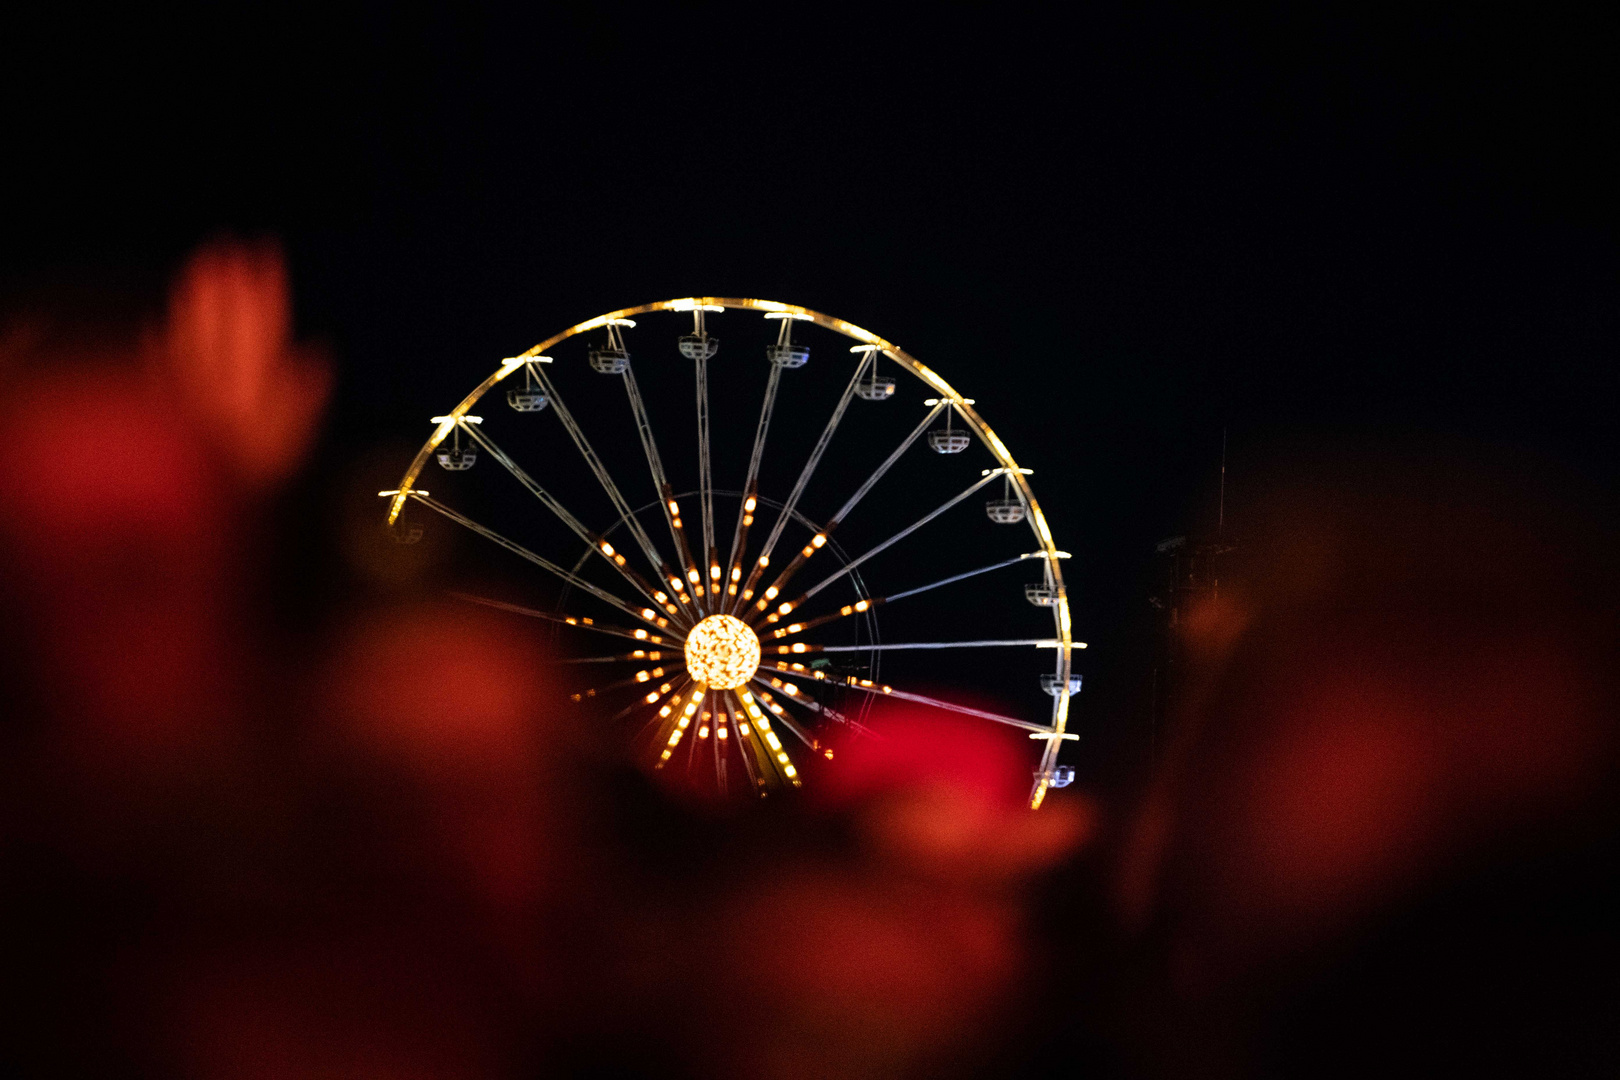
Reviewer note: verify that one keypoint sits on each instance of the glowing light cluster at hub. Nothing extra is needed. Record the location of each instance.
(722, 652)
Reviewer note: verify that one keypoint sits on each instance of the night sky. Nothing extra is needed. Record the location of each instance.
(1124, 234)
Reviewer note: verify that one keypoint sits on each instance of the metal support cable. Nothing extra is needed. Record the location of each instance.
(954, 578)
(989, 643)
(792, 501)
(922, 699)
(705, 473)
(596, 466)
(810, 549)
(755, 459)
(888, 463)
(655, 465)
(649, 444)
(671, 642)
(539, 560)
(671, 670)
(561, 511)
(810, 743)
(899, 536)
(734, 709)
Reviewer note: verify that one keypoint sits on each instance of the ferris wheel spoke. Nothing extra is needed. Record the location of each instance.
(640, 656)
(837, 519)
(577, 434)
(800, 648)
(781, 714)
(817, 675)
(583, 622)
(598, 545)
(853, 564)
(767, 743)
(677, 528)
(811, 624)
(669, 693)
(996, 643)
(703, 570)
(640, 678)
(745, 512)
(655, 465)
(647, 615)
(681, 720)
(951, 706)
(745, 749)
(888, 463)
(711, 559)
(801, 626)
(867, 686)
(954, 578)
(720, 703)
(808, 471)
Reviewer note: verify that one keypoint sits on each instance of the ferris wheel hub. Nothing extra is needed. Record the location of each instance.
(722, 652)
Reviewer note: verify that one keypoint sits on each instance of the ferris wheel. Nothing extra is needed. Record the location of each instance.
(749, 629)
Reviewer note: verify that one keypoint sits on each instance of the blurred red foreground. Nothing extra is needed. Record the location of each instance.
(386, 850)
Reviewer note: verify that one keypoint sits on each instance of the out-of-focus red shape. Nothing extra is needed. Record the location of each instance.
(890, 958)
(1410, 675)
(871, 975)
(125, 494)
(916, 747)
(951, 795)
(362, 1007)
(228, 353)
(95, 463)
(117, 532)
(441, 690)
(452, 699)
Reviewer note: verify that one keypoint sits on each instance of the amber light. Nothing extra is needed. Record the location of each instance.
(722, 652)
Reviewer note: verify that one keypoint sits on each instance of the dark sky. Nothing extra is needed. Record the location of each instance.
(1140, 229)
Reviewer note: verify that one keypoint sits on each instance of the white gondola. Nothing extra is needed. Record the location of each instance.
(610, 360)
(872, 386)
(527, 398)
(784, 353)
(947, 440)
(1041, 595)
(1007, 510)
(530, 397)
(699, 346)
(875, 388)
(787, 356)
(1051, 683)
(1062, 776)
(455, 457)
(1004, 511)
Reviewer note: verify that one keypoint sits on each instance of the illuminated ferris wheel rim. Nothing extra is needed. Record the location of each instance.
(963, 407)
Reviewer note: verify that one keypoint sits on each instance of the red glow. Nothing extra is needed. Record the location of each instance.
(229, 355)
(916, 747)
(103, 470)
(440, 688)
